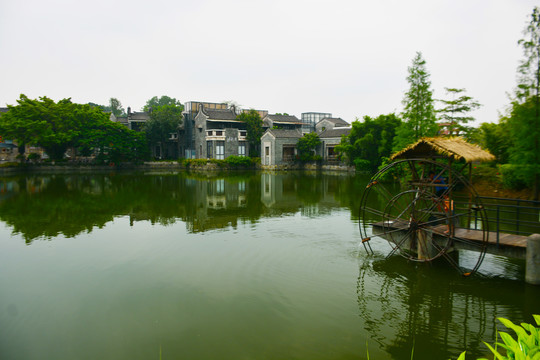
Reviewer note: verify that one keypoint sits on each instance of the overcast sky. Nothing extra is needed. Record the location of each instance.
(344, 57)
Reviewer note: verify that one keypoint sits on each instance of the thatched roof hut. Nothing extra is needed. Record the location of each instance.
(454, 148)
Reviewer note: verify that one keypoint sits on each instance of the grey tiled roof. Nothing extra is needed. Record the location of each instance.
(122, 119)
(335, 133)
(338, 122)
(139, 116)
(284, 119)
(282, 133)
(214, 114)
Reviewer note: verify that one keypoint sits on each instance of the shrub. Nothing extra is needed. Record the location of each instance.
(194, 162)
(34, 157)
(513, 176)
(9, 164)
(239, 161)
(362, 164)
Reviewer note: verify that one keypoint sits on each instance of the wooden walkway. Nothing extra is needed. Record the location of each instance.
(509, 245)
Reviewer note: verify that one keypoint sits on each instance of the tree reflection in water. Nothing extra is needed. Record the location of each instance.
(51, 205)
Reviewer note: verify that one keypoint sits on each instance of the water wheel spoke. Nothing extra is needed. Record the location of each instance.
(383, 191)
(398, 245)
(412, 205)
(373, 211)
(395, 230)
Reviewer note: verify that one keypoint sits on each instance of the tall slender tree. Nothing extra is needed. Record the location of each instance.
(418, 111)
(418, 101)
(524, 120)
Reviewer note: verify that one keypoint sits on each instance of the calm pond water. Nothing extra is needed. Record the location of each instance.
(239, 266)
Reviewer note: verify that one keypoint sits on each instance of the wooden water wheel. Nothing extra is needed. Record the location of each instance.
(422, 207)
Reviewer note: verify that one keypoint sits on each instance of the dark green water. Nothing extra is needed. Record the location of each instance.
(243, 266)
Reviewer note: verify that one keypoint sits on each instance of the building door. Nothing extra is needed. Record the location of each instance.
(267, 155)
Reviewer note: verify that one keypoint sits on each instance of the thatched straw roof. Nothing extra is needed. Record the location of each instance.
(455, 147)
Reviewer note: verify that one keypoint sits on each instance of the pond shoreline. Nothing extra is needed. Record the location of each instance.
(161, 165)
(484, 187)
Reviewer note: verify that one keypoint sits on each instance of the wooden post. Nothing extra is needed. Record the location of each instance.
(424, 246)
(532, 269)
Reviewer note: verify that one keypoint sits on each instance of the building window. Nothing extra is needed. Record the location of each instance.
(220, 150)
(242, 148)
(243, 133)
(209, 150)
(209, 133)
(219, 133)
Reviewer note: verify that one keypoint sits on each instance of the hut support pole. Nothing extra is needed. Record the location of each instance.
(532, 267)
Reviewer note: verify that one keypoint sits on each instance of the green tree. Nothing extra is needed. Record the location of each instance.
(418, 113)
(524, 125)
(58, 126)
(254, 131)
(116, 107)
(165, 118)
(103, 108)
(307, 145)
(369, 141)
(524, 121)
(112, 142)
(157, 102)
(53, 126)
(456, 110)
(494, 137)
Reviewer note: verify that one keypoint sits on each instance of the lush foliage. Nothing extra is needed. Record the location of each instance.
(254, 131)
(369, 141)
(239, 161)
(524, 120)
(494, 138)
(231, 161)
(418, 113)
(165, 119)
(525, 345)
(58, 126)
(113, 143)
(115, 107)
(524, 126)
(53, 126)
(307, 145)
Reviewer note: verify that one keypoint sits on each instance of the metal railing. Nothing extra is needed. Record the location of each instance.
(510, 216)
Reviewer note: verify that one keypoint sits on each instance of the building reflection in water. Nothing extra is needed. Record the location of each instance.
(70, 204)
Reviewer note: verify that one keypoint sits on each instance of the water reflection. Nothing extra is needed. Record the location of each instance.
(434, 311)
(290, 284)
(49, 205)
